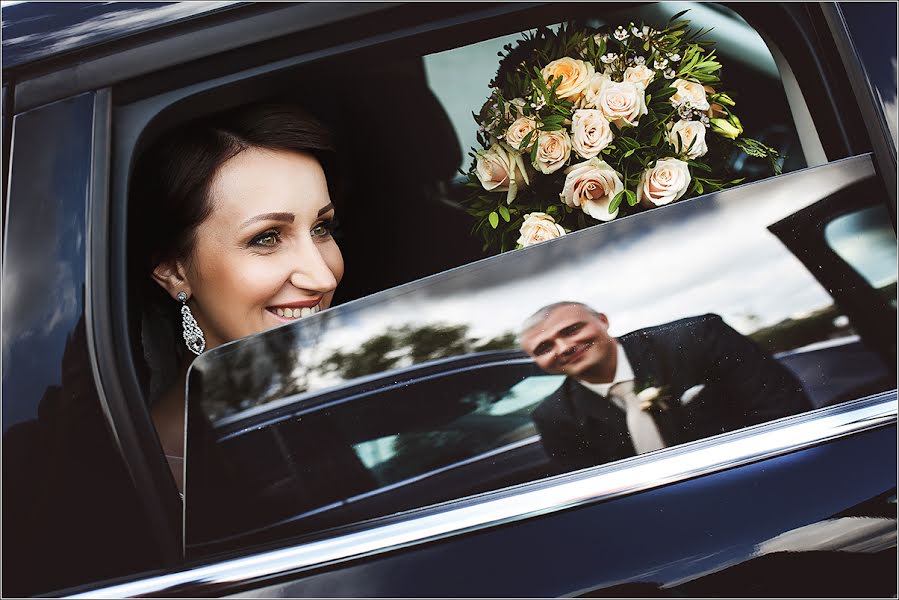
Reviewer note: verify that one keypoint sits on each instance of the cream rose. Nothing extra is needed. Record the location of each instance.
(501, 170)
(592, 185)
(592, 89)
(575, 75)
(689, 130)
(553, 150)
(689, 91)
(538, 227)
(663, 183)
(590, 132)
(518, 131)
(622, 103)
(640, 74)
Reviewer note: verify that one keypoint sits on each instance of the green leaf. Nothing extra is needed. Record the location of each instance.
(628, 153)
(553, 120)
(665, 93)
(550, 127)
(504, 213)
(526, 142)
(656, 138)
(616, 201)
(533, 153)
(677, 16)
(631, 197)
(494, 219)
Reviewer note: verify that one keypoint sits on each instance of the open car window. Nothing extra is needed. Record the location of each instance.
(420, 394)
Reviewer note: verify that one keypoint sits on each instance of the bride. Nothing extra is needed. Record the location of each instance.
(233, 218)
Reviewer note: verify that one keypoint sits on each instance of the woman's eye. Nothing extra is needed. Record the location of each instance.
(266, 239)
(323, 229)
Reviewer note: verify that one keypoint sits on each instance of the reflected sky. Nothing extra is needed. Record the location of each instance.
(34, 30)
(709, 254)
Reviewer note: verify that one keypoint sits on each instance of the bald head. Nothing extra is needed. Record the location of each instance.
(543, 313)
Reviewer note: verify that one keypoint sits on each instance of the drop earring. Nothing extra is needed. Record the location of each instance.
(193, 335)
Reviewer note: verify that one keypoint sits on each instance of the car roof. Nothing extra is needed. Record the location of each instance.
(36, 31)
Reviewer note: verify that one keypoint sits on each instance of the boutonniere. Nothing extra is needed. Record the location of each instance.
(653, 397)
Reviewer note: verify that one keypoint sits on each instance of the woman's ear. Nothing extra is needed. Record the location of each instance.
(172, 276)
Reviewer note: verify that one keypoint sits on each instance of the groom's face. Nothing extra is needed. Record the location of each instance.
(573, 341)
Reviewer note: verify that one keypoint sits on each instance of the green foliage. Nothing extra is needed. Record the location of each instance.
(411, 345)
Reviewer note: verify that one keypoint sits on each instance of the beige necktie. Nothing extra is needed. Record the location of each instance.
(642, 427)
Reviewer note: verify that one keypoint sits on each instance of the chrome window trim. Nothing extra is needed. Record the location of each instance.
(562, 492)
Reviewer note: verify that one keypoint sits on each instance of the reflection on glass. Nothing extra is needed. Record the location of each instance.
(420, 394)
(866, 240)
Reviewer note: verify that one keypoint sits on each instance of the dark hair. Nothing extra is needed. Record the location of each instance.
(169, 197)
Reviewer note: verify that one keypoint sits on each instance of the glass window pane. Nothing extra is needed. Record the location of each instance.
(866, 240)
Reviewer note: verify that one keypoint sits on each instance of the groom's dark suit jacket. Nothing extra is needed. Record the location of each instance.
(743, 386)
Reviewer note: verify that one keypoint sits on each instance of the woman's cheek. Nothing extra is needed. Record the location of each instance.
(334, 259)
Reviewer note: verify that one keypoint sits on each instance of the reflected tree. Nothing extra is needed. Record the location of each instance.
(398, 346)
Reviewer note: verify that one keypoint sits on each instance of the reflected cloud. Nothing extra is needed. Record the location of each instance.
(102, 26)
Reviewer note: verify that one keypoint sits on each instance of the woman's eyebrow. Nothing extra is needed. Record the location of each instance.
(275, 216)
(326, 208)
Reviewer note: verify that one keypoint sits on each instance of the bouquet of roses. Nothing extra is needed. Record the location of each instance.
(585, 126)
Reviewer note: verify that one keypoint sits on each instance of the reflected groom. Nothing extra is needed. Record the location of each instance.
(650, 388)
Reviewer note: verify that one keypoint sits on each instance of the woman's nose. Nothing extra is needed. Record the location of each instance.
(311, 271)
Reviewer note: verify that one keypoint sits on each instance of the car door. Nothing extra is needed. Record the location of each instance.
(796, 481)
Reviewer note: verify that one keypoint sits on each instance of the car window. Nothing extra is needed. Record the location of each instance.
(394, 402)
(866, 241)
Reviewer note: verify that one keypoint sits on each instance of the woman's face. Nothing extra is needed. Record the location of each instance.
(265, 255)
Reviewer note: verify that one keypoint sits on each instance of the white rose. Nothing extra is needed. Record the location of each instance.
(592, 185)
(689, 91)
(501, 170)
(590, 132)
(575, 75)
(640, 74)
(622, 103)
(664, 183)
(518, 131)
(689, 130)
(592, 89)
(538, 227)
(553, 150)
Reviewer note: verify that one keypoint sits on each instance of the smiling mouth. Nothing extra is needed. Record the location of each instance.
(287, 314)
(575, 354)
